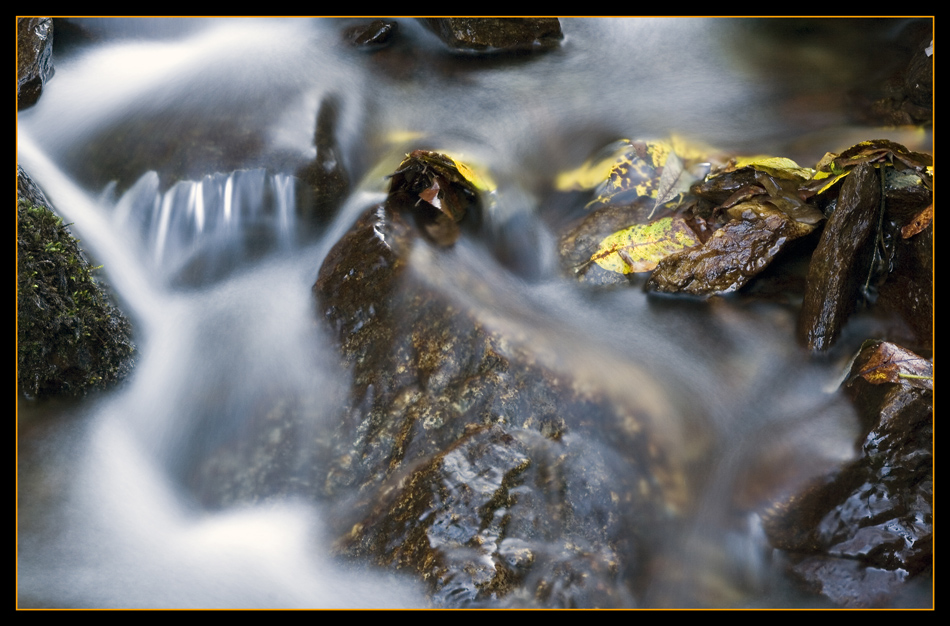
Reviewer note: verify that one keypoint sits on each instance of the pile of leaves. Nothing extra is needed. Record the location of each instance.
(656, 209)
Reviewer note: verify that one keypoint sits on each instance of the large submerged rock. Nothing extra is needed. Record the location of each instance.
(465, 458)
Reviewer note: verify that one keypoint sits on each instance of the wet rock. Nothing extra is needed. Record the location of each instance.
(899, 271)
(29, 190)
(70, 338)
(906, 97)
(463, 459)
(906, 284)
(481, 522)
(906, 192)
(186, 147)
(436, 191)
(473, 34)
(734, 254)
(373, 36)
(841, 265)
(861, 535)
(326, 183)
(908, 290)
(34, 58)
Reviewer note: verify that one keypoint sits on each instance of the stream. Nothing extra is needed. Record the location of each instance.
(170, 146)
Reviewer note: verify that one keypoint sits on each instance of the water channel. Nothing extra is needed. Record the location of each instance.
(170, 146)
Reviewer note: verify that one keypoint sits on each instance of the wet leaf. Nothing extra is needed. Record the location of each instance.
(671, 181)
(595, 170)
(732, 256)
(832, 168)
(626, 170)
(744, 177)
(676, 180)
(722, 187)
(920, 222)
(829, 179)
(640, 247)
(880, 149)
(884, 362)
(622, 172)
(776, 166)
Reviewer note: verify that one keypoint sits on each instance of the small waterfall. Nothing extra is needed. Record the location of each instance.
(114, 526)
(197, 231)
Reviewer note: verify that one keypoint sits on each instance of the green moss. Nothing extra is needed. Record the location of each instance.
(70, 339)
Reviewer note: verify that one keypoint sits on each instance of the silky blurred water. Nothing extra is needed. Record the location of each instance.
(201, 249)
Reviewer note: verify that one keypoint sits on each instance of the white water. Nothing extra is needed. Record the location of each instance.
(105, 520)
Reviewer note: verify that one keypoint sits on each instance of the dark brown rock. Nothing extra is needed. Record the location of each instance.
(908, 290)
(907, 287)
(430, 187)
(841, 265)
(858, 536)
(377, 34)
(480, 521)
(906, 97)
(484, 34)
(34, 58)
(325, 179)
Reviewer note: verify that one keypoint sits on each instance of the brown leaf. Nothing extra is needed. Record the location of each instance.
(919, 223)
(732, 256)
(884, 362)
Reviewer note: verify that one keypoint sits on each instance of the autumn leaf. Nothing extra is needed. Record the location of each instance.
(676, 180)
(622, 171)
(641, 247)
(920, 222)
(779, 167)
(737, 252)
(884, 362)
(833, 167)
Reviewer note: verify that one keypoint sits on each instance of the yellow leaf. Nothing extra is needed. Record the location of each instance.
(641, 247)
(831, 182)
(478, 176)
(623, 171)
(775, 166)
(595, 170)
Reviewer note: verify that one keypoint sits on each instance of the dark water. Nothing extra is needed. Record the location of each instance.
(169, 145)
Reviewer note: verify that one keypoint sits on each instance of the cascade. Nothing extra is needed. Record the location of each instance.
(203, 250)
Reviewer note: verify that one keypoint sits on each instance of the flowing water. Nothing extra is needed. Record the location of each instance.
(169, 144)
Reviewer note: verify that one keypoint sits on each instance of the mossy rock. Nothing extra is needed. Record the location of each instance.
(70, 339)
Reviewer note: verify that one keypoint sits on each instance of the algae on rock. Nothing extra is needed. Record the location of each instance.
(70, 339)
